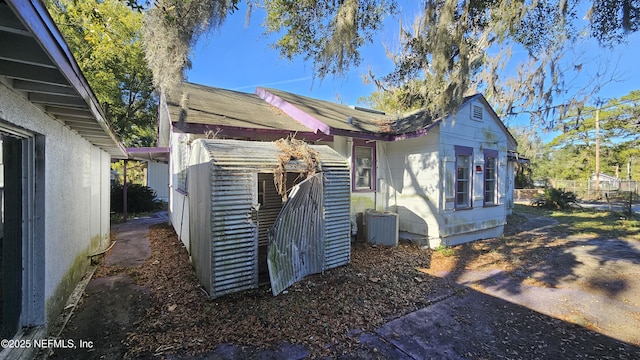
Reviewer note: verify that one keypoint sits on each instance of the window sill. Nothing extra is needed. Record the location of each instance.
(463, 208)
(363, 190)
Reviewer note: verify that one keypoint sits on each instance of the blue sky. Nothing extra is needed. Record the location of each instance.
(238, 57)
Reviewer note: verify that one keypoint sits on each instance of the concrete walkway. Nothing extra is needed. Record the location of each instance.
(132, 246)
(113, 304)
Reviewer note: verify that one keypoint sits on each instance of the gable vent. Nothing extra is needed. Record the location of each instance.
(476, 112)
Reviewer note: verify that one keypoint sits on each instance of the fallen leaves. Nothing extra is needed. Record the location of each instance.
(322, 312)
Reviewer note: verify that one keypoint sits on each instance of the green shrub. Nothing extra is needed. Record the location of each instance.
(555, 199)
(140, 199)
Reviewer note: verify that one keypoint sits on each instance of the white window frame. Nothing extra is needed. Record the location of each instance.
(364, 167)
(490, 178)
(464, 184)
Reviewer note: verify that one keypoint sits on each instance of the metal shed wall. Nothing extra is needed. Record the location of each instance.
(200, 210)
(234, 240)
(337, 214)
(232, 188)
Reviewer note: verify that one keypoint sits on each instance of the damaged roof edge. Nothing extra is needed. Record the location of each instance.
(302, 117)
(37, 19)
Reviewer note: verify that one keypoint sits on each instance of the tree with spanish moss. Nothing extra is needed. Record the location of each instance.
(453, 47)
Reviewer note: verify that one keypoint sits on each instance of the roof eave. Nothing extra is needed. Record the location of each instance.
(37, 20)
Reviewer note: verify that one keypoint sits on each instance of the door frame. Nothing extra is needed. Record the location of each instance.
(32, 312)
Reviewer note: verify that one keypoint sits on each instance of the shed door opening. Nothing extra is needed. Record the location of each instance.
(270, 206)
(296, 240)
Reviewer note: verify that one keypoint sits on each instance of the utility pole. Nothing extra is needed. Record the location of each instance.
(598, 150)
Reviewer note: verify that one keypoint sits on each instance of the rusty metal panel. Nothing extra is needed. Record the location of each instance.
(296, 240)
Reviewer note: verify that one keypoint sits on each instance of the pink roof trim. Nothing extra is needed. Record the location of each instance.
(300, 116)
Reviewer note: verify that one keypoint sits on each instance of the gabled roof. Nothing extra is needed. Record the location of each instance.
(324, 116)
(273, 109)
(36, 62)
(335, 119)
(213, 106)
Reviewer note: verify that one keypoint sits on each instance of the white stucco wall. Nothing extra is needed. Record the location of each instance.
(76, 199)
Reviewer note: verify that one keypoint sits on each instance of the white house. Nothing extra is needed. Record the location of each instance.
(450, 180)
(56, 153)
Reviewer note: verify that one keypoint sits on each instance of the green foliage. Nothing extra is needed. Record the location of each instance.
(530, 146)
(612, 20)
(452, 49)
(140, 198)
(404, 98)
(329, 33)
(104, 37)
(572, 152)
(555, 199)
(136, 171)
(446, 251)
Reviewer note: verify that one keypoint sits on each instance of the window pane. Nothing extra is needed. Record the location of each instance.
(490, 180)
(364, 167)
(463, 185)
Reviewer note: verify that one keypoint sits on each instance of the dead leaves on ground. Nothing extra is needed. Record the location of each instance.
(322, 312)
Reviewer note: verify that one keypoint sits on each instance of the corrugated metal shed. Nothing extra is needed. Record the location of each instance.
(225, 210)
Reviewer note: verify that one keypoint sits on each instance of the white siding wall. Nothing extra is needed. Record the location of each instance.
(76, 201)
(178, 201)
(412, 175)
(417, 180)
(479, 222)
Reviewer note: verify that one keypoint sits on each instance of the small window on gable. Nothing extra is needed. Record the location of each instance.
(476, 112)
(363, 166)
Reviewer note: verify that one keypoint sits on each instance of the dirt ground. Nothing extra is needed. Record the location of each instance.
(402, 302)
